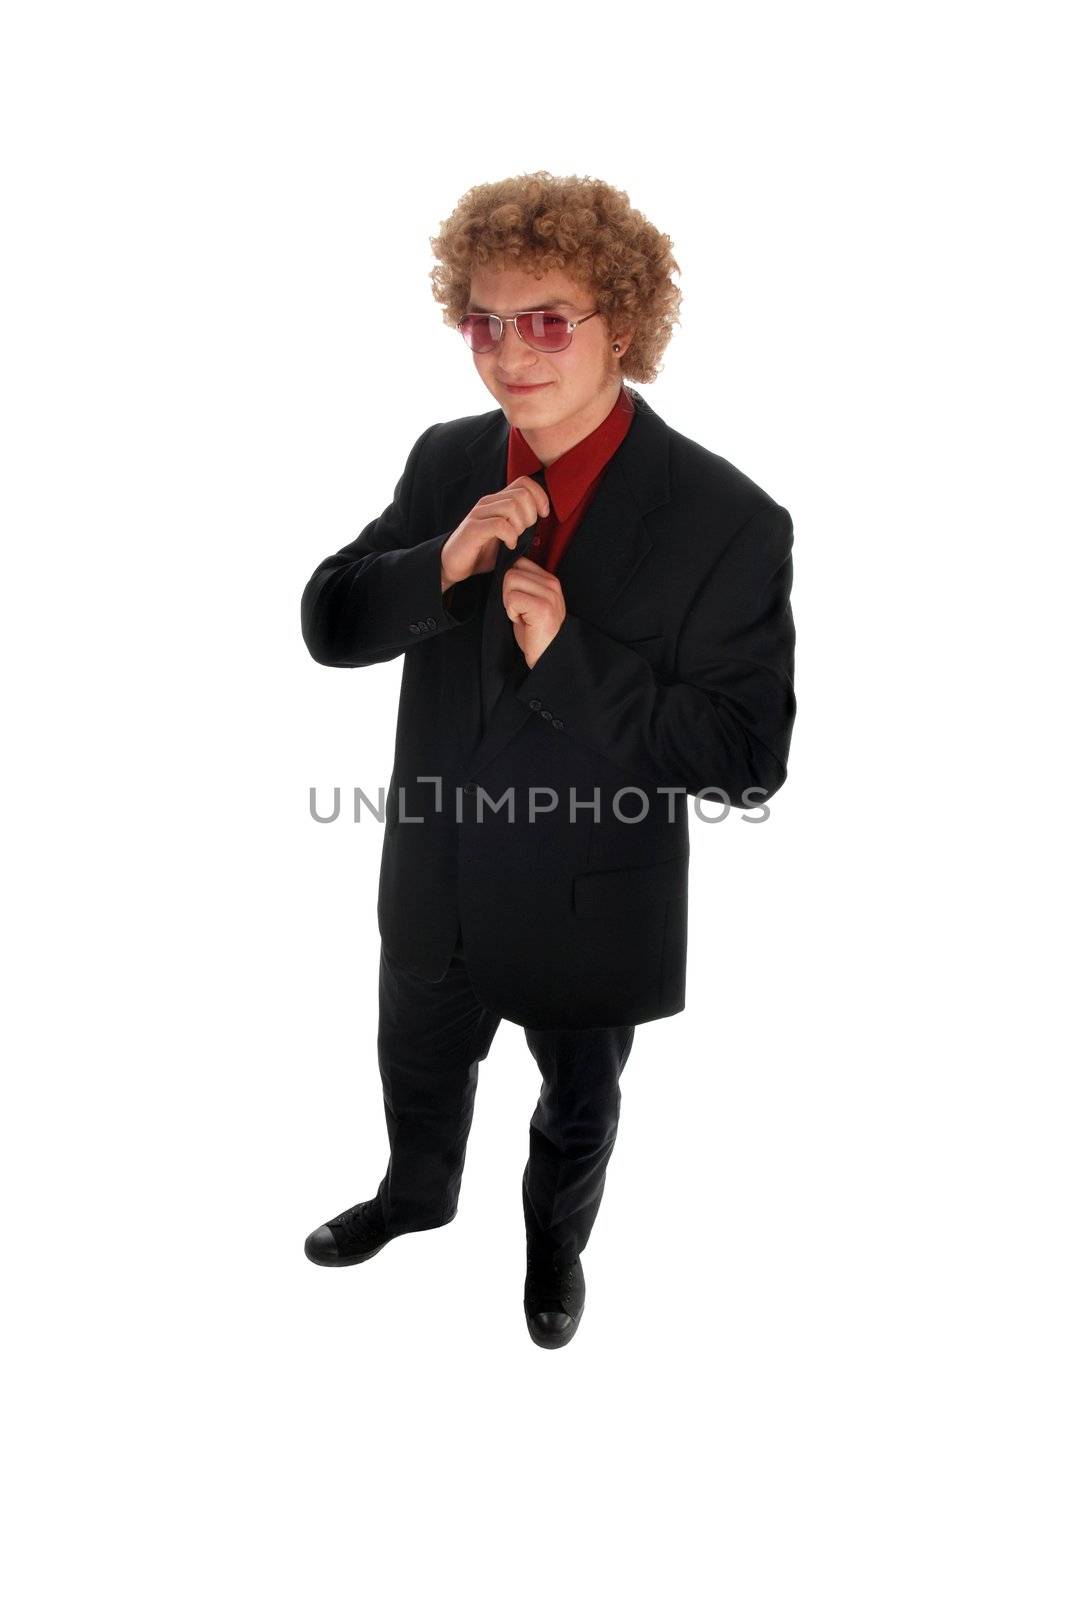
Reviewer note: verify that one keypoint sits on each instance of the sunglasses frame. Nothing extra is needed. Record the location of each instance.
(493, 316)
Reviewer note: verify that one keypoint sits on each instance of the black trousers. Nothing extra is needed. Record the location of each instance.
(432, 1038)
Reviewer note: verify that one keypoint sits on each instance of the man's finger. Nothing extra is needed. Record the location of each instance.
(531, 572)
(525, 585)
(527, 562)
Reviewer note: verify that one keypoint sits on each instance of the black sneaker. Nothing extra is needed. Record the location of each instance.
(355, 1235)
(554, 1295)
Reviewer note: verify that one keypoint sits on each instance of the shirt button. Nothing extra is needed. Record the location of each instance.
(545, 714)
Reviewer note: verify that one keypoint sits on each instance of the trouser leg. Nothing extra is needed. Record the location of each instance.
(431, 1039)
(572, 1132)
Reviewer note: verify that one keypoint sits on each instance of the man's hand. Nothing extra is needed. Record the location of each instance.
(495, 519)
(534, 604)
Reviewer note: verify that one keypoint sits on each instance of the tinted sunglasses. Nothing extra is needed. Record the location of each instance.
(542, 330)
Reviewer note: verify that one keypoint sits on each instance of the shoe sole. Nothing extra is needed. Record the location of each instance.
(344, 1261)
(554, 1341)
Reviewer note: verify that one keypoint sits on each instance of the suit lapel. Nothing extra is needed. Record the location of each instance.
(604, 552)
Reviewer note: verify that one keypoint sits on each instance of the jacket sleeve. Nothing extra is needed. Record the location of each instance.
(382, 593)
(724, 720)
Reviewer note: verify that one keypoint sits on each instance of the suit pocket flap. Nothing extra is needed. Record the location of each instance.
(628, 888)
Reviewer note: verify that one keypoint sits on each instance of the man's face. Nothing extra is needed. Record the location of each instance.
(577, 386)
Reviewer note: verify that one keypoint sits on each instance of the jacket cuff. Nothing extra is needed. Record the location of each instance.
(462, 600)
(417, 594)
(580, 673)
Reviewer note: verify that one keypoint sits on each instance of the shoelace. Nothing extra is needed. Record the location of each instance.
(550, 1288)
(359, 1227)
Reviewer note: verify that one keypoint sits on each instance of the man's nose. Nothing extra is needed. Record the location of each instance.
(514, 356)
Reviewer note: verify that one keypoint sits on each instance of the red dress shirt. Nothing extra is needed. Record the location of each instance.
(571, 480)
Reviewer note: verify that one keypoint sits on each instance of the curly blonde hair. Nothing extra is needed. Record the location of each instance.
(580, 226)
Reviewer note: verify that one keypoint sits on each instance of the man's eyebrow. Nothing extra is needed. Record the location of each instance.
(544, 305)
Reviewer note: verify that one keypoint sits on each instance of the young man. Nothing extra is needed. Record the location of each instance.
(595, 616)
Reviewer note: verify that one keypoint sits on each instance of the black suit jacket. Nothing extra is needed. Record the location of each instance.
(673, 670)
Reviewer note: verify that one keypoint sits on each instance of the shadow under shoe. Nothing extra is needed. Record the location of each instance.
(354, 1235)
(554, 1294)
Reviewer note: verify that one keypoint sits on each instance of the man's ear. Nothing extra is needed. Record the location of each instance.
(622, 338)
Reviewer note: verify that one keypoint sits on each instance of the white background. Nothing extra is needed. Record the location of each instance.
(825, 1345)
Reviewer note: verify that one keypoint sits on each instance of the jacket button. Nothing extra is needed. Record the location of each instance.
(545, 714)
(557, 723)
(470, 787)
(535, 704)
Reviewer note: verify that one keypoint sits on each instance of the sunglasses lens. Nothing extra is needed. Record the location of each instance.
(476, 331)
(544, 330)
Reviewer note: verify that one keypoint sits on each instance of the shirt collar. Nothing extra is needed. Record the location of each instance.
(568, 478)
